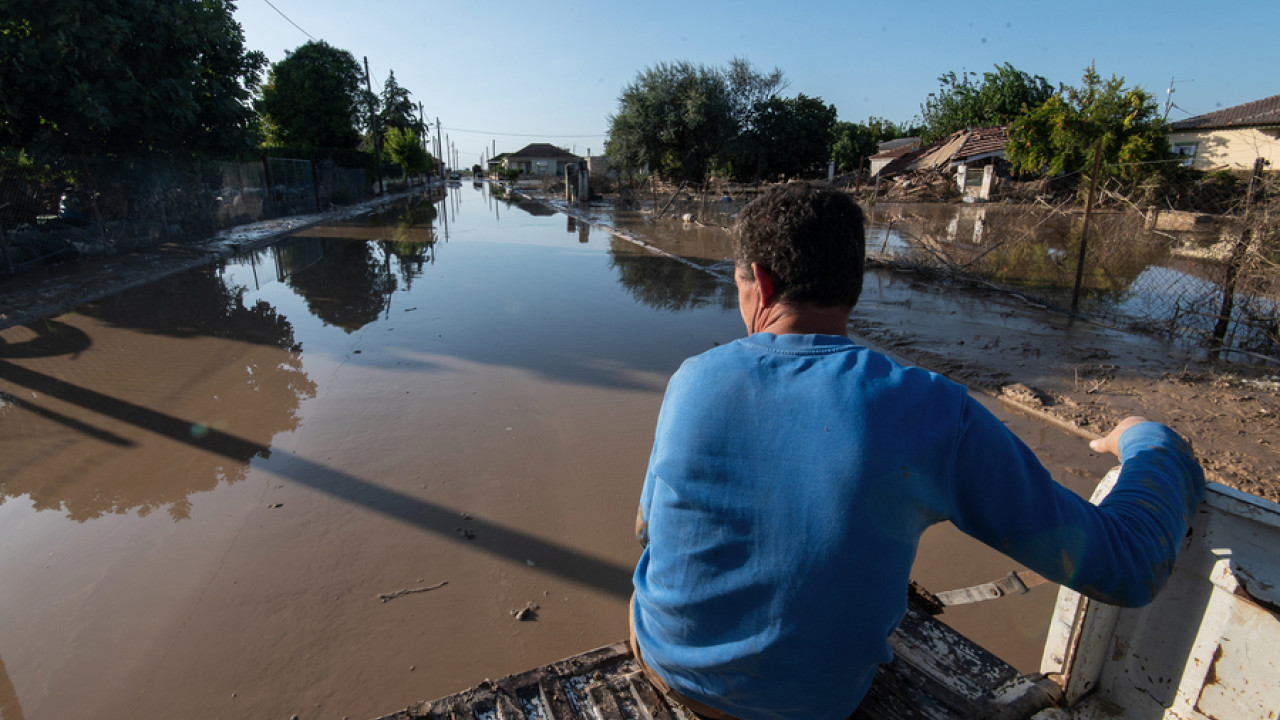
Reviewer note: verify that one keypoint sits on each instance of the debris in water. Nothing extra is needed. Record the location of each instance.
(466, 534)
(526, 613)
(384, 597)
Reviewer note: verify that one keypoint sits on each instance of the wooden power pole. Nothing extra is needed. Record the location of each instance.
(373, 126)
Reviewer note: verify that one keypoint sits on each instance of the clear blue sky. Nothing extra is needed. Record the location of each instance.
(521, 72)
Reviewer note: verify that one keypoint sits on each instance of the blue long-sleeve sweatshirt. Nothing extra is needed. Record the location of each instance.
(790, 481)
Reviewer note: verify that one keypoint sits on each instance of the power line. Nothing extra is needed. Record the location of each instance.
(511, 134)
(291, 22)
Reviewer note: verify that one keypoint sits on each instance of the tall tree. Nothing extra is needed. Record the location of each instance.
(125, 76)
(397, 109)
(673, 117)
(1060, 135)
(314, 98)
(749, 91)
(793, 135)
(964, 101)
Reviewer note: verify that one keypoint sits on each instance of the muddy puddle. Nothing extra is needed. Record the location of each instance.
(207, 482)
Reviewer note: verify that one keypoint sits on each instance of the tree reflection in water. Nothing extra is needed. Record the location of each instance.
(666, 284)
(340, 275)
(71, 443)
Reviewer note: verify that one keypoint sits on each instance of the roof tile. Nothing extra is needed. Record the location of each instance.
(1251, 114)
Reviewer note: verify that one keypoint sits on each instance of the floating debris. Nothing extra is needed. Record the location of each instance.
(527, 613)
(384, 597)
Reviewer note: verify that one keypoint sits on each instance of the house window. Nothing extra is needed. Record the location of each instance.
(1186, 151)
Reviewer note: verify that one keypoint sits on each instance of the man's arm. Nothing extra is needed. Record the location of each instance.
(1120, 551)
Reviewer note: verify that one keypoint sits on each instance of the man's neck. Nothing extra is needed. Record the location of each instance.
(808, 320)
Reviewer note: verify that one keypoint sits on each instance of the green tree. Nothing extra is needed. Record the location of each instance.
(997, 99)
(124, 76)
(313, 98)
(404, 148)
(674, 118)
(853, 143)
(1059, 136)
(749, 90)
(792, 135)
(397, 109)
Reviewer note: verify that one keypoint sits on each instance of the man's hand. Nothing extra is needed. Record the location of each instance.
(1111, 443)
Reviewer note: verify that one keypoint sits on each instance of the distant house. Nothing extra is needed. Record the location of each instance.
(972, 154)
(496, 162)
(890, 150)
(539, 159)
(1231, 138)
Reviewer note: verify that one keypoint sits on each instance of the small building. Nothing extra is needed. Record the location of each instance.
(539, 159)
(890, 150)
(1231, 138)
(497, 162)
(598, 165)
(973, 154)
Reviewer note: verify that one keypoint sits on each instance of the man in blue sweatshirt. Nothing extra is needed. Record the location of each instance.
(793, 473)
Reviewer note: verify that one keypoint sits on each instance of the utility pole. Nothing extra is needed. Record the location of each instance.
(440, 148)
(1168, 101)
(425, 139)
(373, 125)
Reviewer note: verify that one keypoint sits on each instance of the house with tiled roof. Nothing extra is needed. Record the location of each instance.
(1231, 138)
(539, 159)
(972, 154)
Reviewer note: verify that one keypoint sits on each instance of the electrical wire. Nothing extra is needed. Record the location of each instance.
(291, 22)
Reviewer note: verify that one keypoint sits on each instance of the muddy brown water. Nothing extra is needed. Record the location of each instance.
(206, 482)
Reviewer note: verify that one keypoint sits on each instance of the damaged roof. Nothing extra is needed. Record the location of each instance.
(1252, 114)
(960, 147)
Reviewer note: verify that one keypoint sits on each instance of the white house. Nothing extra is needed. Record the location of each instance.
(1231, 138)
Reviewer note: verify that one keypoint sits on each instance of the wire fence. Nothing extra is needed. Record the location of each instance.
(1188, 256)
(63, 207)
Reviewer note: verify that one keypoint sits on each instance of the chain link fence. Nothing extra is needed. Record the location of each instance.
(1192, 256)
(63, 207)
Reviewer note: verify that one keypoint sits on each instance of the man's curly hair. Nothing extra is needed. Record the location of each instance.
(811, 240)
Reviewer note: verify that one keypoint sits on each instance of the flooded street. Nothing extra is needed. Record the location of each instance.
(206, 482)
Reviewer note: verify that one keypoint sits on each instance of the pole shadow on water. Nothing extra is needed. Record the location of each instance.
(501, 541)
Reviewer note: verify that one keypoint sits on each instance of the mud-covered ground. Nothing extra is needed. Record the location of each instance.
(1083, 376)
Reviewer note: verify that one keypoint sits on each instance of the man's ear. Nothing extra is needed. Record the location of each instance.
(764, 283)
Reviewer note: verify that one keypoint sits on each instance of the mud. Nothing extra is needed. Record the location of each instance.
(318, 479)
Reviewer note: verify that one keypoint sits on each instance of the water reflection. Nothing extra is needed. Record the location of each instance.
(665, 284)
(345, 271)
(583, 229)
(74, 445)
(534, 208)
